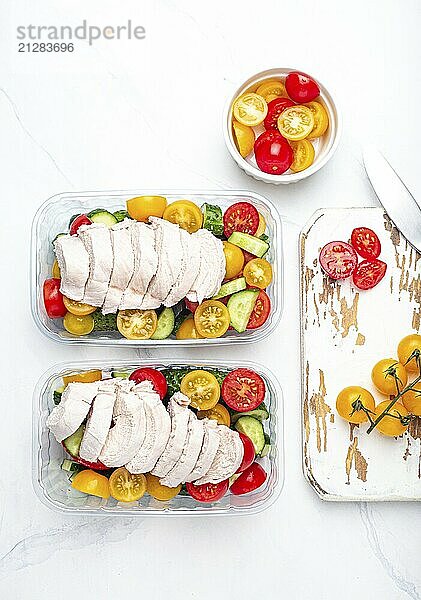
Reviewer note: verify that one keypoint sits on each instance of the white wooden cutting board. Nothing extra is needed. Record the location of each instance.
(344, 333)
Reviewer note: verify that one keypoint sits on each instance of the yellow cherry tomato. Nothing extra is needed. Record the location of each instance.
(136, 324)
(412, 400)
(391, 424)
(351, 401)
(85, 377)
(303, 155)
(321, 119)
(234, 259)
(250, 109)
(212, 319)
(184, 213)
(410, 346)
(159, 491)
(143, 207)
(217, 413)
(262, 226)
(78, 308)
(126, 487)
(269, 90)
(55, 270)
(78, 325)
(202, 388)
(92, 483)
(258, 273)
(187, 330)
(244, 138)
(389, 376)
(296, 122)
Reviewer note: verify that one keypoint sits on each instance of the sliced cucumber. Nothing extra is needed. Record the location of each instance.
(73, 442)
(71, 466)
(253, 429)
(212, 219)
(165, 325)
(264, 237)
(267, 447)
(260, 413)
(100, 215)
(57, 394)
(120, 374)
(240, 306)
(120, 215)
(182, 315)
(250, 243)
(57, 236)
(231, 287)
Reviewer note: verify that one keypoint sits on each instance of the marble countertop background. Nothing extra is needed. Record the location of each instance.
(132, 114)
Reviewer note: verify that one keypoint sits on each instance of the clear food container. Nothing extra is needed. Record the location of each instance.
(53, 218)
(52, 484)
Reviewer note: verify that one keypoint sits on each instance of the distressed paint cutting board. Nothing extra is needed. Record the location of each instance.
(344, 332)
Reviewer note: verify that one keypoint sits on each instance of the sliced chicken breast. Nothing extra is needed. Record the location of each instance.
(180, 415)
(123, 265)
(211, 269)
(145, 264)
(208, 450)
(97, 240)
(189, 268)
(66, 417)
(99, 421)
(227, 458)
(73, 260)
(189, 455)
(158, 427)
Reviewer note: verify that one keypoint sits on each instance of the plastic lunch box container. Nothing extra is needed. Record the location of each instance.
(52, 484)
(54, 215)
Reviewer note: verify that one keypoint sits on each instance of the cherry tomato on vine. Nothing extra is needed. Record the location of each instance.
(409, 352)
(351, 401)
(389, 376)
(394, 423)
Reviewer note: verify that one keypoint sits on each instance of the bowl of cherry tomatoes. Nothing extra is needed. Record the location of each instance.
(281, 126)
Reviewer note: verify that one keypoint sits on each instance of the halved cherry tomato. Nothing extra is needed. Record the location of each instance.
(125, 486)
(244, 138)
(394, 423)
(78, 308)
(243, 390)
(95, 466)
(78, 222)
(409, 352)
(249, 453)
(270, 90)
(191, 306)
(159, 491)
(321, 119)
(300, 87)
(338, 259)
(369, 273)
(366, 242)
(212, 319)
(91, 483)
(85, 377)
(53, 299)
(248, 256)
(218, 413)
(184, 213)
(251, 479)
(303, 155)
(389, 376)
(137, 324)
(208, 492)
(260, 312)
(75, 325)
(234, 260)
(55, 270)
(273, 153)
(352, 401)
(202, 388)
(141, 208)
(157, 379)
(296, 122)
(262, 226)
(275, 107)
(258, 273)
(250, 109)
(187, 330)
(241, 216)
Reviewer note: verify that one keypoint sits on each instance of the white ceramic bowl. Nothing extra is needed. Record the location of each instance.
(324, 146)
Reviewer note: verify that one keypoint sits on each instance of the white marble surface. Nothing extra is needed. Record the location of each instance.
(147, 113)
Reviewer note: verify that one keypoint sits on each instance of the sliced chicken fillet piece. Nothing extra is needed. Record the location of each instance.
(99, 421)
(227, 458)
(189, 268)
(123, 265)
(211, 269)
(207, 452)
(66, 417)
(188, 458)
(97, 240)
(73, 260)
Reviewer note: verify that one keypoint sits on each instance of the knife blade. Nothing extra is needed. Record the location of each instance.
(394, 196)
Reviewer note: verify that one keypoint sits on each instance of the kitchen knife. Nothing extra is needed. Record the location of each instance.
(394, 196)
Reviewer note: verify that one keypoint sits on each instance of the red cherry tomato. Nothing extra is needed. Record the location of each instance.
(273, 153)
(338, 259)
(249, 453)
(260, 312)
(96, 466)
(241, 216)
(155, 377)
(251, 479)
(76, 223)
(53, 299)
(208, 492)
(275, 107)
(301, 88)
(366, 243)
(243, 390)
(369, 273)
(191, 306)
(248, 256)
